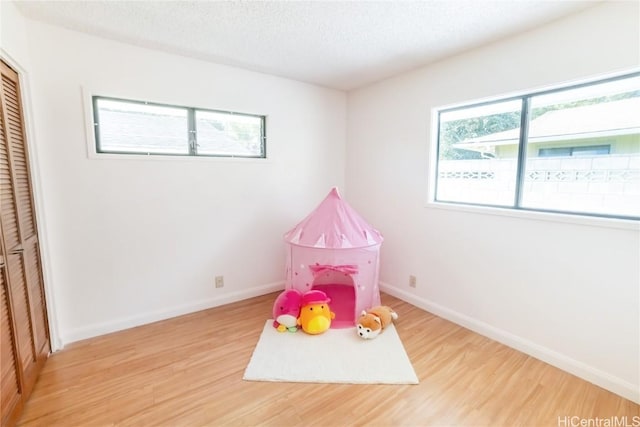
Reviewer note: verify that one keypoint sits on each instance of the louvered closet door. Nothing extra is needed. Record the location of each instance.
(10, 394)
(20, 240)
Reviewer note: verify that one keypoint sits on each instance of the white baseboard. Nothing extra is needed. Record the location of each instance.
(589, 373)
(98, 329)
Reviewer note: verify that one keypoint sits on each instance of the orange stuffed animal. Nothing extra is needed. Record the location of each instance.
(373, 321)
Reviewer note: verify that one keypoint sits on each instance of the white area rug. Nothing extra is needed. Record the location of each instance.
(336, 356)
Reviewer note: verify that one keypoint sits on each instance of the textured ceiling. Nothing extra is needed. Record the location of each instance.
(337, 44)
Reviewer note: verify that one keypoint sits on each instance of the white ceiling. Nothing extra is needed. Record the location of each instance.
(337, 44)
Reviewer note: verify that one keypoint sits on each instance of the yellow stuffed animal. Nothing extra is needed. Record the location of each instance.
(315, 314)
(373, 321)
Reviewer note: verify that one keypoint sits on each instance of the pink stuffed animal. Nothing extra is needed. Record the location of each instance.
(286, 310)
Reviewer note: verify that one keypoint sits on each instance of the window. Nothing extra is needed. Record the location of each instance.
(134, 127)
(570, 150)
(574, 151)
(469, 169)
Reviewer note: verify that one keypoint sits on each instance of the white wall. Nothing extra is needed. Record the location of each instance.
(136, 240)
(131, 241)
(566, 293)
(13, 35)
(14, 49)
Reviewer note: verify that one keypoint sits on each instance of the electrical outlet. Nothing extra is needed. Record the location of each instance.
(219, 281)
(412, 281)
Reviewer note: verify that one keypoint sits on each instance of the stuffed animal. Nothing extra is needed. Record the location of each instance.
(373, 321)
(286, 310)
(315, 314)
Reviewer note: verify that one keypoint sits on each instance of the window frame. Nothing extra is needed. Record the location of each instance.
(576, 149)
(517, 207)
(190, 137)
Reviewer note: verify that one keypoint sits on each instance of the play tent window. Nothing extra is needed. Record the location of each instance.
(136, 127)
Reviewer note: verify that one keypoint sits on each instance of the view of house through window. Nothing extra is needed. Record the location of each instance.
(127, 127)
(229, 134)
(580, 151)
(132, 127)
(468, 169)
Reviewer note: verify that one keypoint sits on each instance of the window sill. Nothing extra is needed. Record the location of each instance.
(583, 220)
(173, 158)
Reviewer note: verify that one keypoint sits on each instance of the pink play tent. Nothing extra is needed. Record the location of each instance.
(336, 251)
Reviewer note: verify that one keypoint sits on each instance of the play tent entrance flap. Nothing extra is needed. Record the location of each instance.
(336, 251)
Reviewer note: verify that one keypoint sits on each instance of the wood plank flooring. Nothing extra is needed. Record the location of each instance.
(187, 371)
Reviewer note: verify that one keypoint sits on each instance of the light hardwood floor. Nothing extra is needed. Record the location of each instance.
(188, 371)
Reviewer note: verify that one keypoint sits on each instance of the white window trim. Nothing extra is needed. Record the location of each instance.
(575, 219)
(568, 218)
(93, 154)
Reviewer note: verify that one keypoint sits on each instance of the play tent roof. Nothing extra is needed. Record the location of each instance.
(333, 225)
